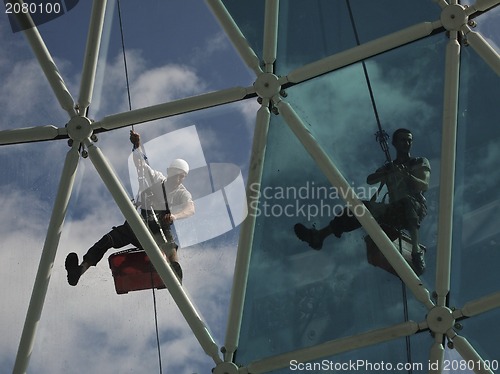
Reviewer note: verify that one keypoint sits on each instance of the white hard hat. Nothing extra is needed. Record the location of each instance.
(180, 164)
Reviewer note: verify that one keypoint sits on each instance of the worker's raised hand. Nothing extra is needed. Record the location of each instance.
(169, 218)
(403, 171)
(135, 139)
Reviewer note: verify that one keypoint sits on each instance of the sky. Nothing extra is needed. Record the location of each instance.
(89, 328)
(175, 49)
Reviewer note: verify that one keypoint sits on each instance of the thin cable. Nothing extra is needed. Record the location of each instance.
(156, 322)
(124, 56)
(155, 309)
(130, 108)
(381, 137)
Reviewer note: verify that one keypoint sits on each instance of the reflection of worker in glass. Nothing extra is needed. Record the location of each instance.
(406, 179)
(162, 200)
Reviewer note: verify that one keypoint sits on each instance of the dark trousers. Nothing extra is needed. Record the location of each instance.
(119, 237)
(406, 213)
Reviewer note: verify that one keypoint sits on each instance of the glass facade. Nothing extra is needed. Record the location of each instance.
(298, 298)
(341, 72)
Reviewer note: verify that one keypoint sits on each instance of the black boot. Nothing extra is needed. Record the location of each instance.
(176, 267)
(73, 269)
(310, 236)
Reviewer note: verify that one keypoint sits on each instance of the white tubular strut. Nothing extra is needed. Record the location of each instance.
(91, 54)
(48, 66)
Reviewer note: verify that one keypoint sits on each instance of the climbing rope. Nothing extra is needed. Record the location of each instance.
(145, 158)
(381, 137)
(124, 57)
(156, 322)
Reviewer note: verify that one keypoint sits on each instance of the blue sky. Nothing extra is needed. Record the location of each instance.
(174, 49)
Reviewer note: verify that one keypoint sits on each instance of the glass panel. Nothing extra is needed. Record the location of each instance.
(482, 331)
(407, 87)
(376, 19)
(322, 27)
(324, 30)
(298, 297)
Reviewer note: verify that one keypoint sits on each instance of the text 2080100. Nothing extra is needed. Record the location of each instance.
(33, 8)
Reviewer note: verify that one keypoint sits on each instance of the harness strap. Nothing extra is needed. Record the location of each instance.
(375, 195)
(165, 196)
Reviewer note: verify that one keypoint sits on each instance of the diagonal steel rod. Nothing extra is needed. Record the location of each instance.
(240, 279)
(148, 243)
(91, 54)
(235, 35)
(46, 261)
(481, 6)
(475, 307)
(47, 64)
(371, 226)
(469, 354)
(483, 49)
(173, 108)
(31, 134)
(361, 52)
(447, 175)
(334, 347)
(125, 119)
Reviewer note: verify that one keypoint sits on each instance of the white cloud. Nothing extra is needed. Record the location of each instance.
(24, 92)
(216, 43)
(89, 328)
(165, 84)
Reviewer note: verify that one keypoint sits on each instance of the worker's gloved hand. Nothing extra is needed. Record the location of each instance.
(135, 139)
(403, 170)
(169, 218)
